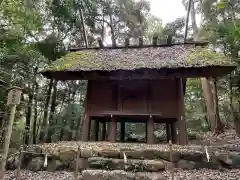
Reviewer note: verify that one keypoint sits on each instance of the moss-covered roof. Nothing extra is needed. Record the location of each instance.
(109, 60)
(131, 59)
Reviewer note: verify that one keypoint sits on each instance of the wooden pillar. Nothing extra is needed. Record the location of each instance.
(104, 130)
(150, 131)
(146, 127)
(182, 125)
(168, 132)
(113, 130)
(108, 126)
(85, 128)
(173, 127)
(91, 130)
(100, 131)
(96, 130)
(122, 137)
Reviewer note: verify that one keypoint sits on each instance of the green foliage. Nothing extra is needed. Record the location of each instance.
(51, 48)
(155, 27)
(222, 4)
(195, 105)
(21, 15)
(223, 31)
(173, 28)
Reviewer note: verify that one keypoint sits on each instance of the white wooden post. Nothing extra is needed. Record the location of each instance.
(14, 96)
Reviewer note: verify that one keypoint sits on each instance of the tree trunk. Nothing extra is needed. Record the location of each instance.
(235, 106)
(61, 134)
(236, 116)
(208, 97)
(28, 116)
(206, 86)
(50, 130)
(34, 133)
(79, 120)
(194, 24)
(219, 126)
(84, 29)
(72, 100)
(45, 115)
(206, 117)
(103, 28)
(113, 38)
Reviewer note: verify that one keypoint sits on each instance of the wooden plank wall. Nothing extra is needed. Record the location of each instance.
(163, 97)
(101, 96)
(156, 96)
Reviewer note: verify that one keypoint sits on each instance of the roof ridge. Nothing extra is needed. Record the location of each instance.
(196, 43)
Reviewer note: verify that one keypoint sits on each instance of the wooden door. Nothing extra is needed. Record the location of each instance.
(134, 94)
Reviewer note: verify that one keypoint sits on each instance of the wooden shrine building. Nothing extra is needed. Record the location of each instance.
(143, 83)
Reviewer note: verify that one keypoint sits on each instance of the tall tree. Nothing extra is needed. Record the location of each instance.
(208, 92)
(221, 26)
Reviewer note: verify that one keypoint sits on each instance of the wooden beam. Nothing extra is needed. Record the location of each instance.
(95, 75)
(182, 125)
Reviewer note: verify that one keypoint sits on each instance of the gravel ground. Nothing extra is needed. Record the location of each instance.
(203, 174)
(41, 175)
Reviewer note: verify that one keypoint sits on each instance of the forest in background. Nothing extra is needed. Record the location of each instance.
(36, 33)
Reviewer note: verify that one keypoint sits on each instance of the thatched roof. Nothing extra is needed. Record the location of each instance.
(133, 59)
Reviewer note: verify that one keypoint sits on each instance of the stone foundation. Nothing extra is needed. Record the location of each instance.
(140, 157)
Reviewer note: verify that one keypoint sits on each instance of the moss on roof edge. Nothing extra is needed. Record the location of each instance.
(197, 57)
